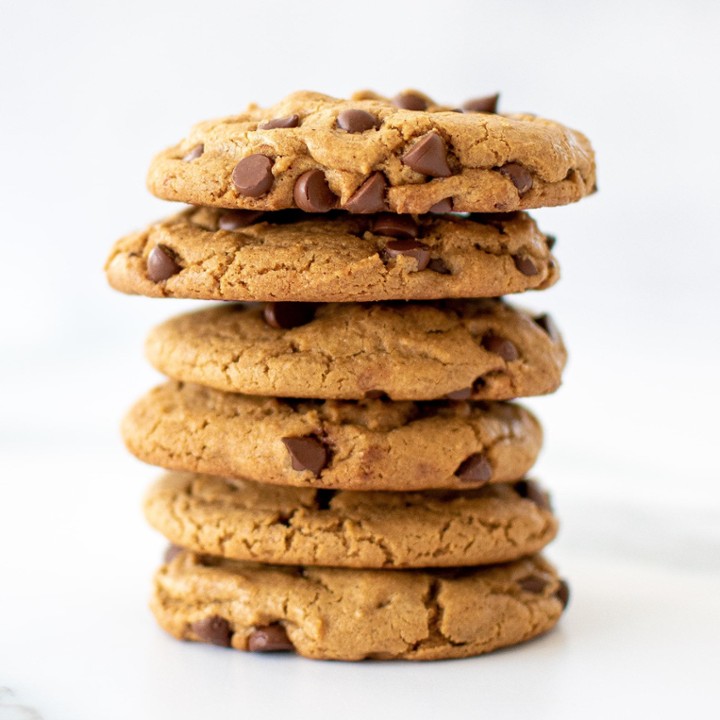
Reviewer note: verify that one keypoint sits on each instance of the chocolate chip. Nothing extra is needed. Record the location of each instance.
(269, 638)
(369, 197)
(550, 241)
(285, 315)
(356, 121)
(214, 630)
(194, 153)
(487, 104)
(236, 219)
(444, 206)
(462, 394)
(525, 265)
(563, 593)
(500, 346)
(547, 324)
(290, 121)
(399, 226)
(409, 101)
(253, 176)
(428, 156)
(409, 248)
(161, 264)
(439, 266)
(171, 552)
(532, 491)
(307, 453)
(312, 193)
(533, 584)
(376, 395)
(518, 175)
(323, 498)
(475, 469)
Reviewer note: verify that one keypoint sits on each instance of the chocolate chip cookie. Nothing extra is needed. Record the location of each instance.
(364, 445)
(214, 254)
(244, 520)
(347, 614)
(369, 154)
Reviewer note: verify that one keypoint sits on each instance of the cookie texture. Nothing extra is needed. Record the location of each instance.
(364, 445)
(344, 614)
(244, 520)
(478, 349)
(403, 161)
(293, 256)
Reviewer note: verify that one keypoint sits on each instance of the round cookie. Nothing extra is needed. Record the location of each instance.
(477, 349)
(244, 520)
(299, 257)
(344, 614)
(400, 160)
(364, 445)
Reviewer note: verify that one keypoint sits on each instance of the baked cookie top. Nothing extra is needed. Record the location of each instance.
(348, 614)
(366, 154)
(245, 520)
(215, 254)
(457, 349)
(364, 445)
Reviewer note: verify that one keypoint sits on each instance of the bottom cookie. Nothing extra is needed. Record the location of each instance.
(347, 614)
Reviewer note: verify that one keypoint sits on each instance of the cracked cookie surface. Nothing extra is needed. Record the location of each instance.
(244, 520)
(364, 445)
(482, 349)
(222, 255)
(345, 614)
(404, 161)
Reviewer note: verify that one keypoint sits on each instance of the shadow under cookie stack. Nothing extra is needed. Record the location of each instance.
(346, 478)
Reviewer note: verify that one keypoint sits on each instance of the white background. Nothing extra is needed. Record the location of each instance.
(89, 91)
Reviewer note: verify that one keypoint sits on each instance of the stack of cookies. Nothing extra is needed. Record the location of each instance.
(346, 477)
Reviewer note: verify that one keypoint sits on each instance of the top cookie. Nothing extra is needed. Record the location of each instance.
(367, 155)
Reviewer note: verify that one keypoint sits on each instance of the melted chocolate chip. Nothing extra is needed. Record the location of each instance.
(236, 219)
(428, 156)
(253, 176)
(563, 593)
(475, 469)
(487, 104)
(356, 121)
(171, 551)
(312, 192)
(269, 638)
(409, 101)
(518, 175)
(376, 395)
(194, 153)
(290, 121)
(444, 206)
(398, 226)
(369, 197)
(550, 241)
(439, 266)
(548, 325)
(532, 491)
(525, 265)
(533, 584)
(500, 346)
(214, 629)
(307, 453)
(161, 264)
(462, 394)
(285, 315)
(410, 248)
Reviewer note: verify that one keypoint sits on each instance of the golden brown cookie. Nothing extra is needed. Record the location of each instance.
(364, 445)
(483, 349)
(217, 254)
(367, 154)
(344, 614)
(244, 520)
